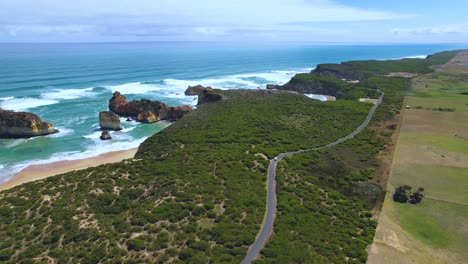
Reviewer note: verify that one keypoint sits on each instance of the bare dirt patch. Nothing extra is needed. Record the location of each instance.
(403, 74)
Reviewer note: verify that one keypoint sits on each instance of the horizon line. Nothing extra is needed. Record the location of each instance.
(242, 43)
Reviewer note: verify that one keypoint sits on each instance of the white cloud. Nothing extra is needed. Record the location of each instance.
(434, 30)
(166, 18)
(207, 12)
(41, 29)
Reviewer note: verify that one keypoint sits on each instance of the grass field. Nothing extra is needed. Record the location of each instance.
(431, 152)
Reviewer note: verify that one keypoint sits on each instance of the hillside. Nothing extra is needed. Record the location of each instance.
(195, 192)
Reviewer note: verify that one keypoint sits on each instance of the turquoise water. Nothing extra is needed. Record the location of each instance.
(68, 84)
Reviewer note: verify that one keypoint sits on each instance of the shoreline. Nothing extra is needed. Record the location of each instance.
(42, 171)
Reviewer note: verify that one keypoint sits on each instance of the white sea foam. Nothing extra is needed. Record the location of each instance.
(320, 97)
(11, 143)
(96, 147)
(48, 98)
(63, 131)
(415, 57)
(134, 88)
(174, 88)
(22, 104)
(6, 172)
(128, 129)
(93, 135)
(68, 94)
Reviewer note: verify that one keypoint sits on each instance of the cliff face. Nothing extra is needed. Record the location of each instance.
(23, 124)
(109, 120)
(146, 110)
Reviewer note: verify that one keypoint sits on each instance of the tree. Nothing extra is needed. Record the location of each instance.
(417, 196)
(402, 194)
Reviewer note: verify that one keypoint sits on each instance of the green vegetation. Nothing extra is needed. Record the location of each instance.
(424, 227)
(320, 217)
(309, 83)
(359, 70)
(196, 191)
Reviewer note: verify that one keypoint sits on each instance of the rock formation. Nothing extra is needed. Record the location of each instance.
(176, 113)
(22, 125)
(197, 90)
(109, 120)
(147, 117)
(208, 96)
(146, 110)
(105, 135)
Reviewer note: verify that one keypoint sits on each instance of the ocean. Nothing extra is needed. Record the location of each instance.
(68, 84)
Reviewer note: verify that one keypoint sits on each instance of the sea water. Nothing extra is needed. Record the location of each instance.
(69, 84)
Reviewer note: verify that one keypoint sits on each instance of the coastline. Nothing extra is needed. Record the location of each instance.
(42, 171)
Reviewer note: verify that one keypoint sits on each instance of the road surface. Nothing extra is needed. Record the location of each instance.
(270, 211)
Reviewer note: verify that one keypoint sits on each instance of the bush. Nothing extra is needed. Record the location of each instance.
(135, 244)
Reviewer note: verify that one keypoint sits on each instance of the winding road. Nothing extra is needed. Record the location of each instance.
(270, 211)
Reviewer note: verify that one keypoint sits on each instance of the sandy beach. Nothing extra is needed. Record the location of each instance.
(38, 172)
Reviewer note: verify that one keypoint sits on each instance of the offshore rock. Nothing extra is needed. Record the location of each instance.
(109, 120)
(105, 135)
(159, 111)
(197, 90)
(23, 125)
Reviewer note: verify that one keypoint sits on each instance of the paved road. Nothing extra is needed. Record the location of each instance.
(270, 212)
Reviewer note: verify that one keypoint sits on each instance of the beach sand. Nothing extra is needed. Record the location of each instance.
(42, 171)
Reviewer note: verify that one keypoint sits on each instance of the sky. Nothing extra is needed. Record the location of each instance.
(264, 21)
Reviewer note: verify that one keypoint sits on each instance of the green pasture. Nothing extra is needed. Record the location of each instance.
(439, 182)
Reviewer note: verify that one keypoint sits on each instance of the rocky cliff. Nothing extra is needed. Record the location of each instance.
(23, 125)
(109, 120)
(197, 90)
(145, 110)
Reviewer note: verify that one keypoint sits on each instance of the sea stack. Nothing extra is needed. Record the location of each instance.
(23, 125)
(105, 135)
(109, 120)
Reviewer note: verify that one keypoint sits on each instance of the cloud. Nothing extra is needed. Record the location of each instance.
(203, 18)
(452, 29)
(44, 29)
